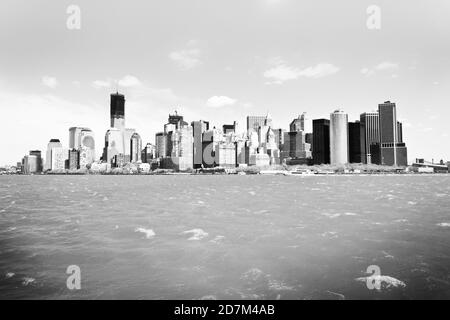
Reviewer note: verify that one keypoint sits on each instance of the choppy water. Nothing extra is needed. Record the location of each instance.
(224, 237)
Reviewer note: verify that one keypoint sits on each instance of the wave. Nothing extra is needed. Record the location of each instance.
(27, 280)
(197, 234)
(9, 275)
(444, 224)
(149, 233)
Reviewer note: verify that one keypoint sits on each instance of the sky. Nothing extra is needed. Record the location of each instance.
(220, 61)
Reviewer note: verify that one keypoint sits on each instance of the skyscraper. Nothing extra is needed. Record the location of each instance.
(354, 142)
(392, 152)
(199, 127)
(54, 143)
(117, 138)
(298, 124)
(135, 148)
(254, 122)
(370, 134)
(117, 111)
(82, 139)
(321, 141)
(338, 138)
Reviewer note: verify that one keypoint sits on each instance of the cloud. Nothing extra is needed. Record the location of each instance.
(50, 82)
(97, 84)
(220, 101)
(281, 72)
(383, 66)
(188, 58)
(129, 81)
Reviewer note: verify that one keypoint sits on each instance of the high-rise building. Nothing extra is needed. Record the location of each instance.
(117, 138)
(338, 138)
(38, 154)
(54, 143)
(392, 152)
(177, 120)
(321, 141)
(182, 152)
(74, 159)
(59, 155)
(254, 122)
(198, 127)
(160, 144)
(230, 128)
(298, 124)
(354, 142)
(117, 111)
(82, 139)
(370, 134)
(148, 153)
(135, 148)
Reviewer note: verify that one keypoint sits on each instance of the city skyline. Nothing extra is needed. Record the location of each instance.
(281, 57)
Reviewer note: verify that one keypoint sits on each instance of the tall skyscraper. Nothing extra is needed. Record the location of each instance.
(199, 127)
(117, 111)
(82, 139)
(370, 134)
(338, 138)
(38, 154)
(354, 142)
(135, 148)
(254, 122)
(54, 143)
(160, 144)
(298, 124)
(321, 141)
(392, 152)
(117, 138)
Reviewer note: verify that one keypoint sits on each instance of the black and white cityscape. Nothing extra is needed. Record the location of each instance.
(255, 150)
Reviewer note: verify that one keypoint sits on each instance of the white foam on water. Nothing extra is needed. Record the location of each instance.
(412, 203)
(200, 202)
(331, 215)
(444, 224)
(350, 214)
(27, 280)
(385, 281)
(116, 227)
(105, 199)
(197, 234)
(217, 239)
(11, 229)
(9, 275)
(279, 286)
(387, 255)
(339, 295)
(252, 274)
(252, 193)
(401, 220)
(208, 297)
(149, 233)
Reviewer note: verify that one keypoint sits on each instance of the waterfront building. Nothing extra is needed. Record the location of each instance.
(148, 154)
(54, 143)
(135, 148)
(369, 135)
(298, 124)
(199, 128)
(392, 151)
(182, 152)
(82, 139)
(354, 142)
(118, 137)
(338, 138)
(160, 145)
(74, 159)
(321, 141)
(59, 155)
(38, 154)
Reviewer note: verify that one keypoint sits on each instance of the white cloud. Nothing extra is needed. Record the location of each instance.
(383, 66)
(220, 101)
(50, 82)
(129, 81)
(97, 84)
(281, 72)
(188, 58)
